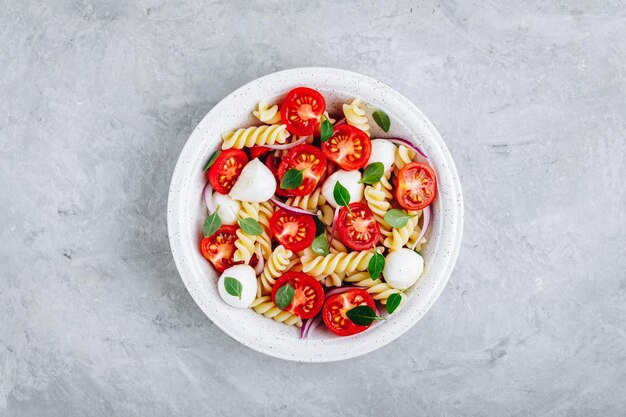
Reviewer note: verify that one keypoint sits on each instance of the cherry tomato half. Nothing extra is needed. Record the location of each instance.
(294, 231)
(307, 158)
(302, 111)
(336, 307)
(309, 294)
(258, 151)
(272, 163)
(226, 169)
(417, 186)
(357, 228)
(219, 248)
(349, 147)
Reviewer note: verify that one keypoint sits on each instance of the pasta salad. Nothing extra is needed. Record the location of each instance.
(311, 221)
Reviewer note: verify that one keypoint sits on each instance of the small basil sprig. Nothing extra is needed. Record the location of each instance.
(212, 159)
(233, 286)
(212, 223)
(363, 315)
(250, 227)
(320, 245)
(342, 196)
(292, 179)
(326, 130)
(397, 218)
(382, 119)
(393, 302)
(373, 173)
(284, 296)
(376, 265)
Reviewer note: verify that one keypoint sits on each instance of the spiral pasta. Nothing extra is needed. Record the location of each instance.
(255, 135)
(334, 280)
(267, 114)
(326, 214)
(355, 115)
(308, 202)
(378, 197)
(275, 266)
(264, 305)
(379, 290)
(413, 243)
(245, 242)
(399, 237)
(322, 266)
(403, 156)
(266, 210)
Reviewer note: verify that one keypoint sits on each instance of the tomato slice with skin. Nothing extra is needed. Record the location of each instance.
(349, 147)
(219, 248)
(294, 231)
(258, 151)
(272, 163)
(308, 296)
(226, 169)
(307, 158)
(416, 186)
(336, 307)
(357, 228)
(302, 111)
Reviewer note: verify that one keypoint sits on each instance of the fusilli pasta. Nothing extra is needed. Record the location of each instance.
(378, 197)
(399, 237)
(403, 156)
(308, 202)
(321, 266)
(265, 306)
(355, 115)
(267, 114)
(378, 289)
(245, 242)
(266, 209)
(255, 135)
(275, 266)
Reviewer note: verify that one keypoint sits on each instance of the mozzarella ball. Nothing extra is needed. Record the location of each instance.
(255, 184)
(228, 208)
(384, 152)
(246, 276)
(350, 180)
(403, 268)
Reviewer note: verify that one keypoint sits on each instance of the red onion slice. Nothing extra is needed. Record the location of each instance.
(338, 290)
(309, 325)
(301, 140)
(426, 214)
(260, 265)
(208, 191)
(408, 143)
(340, 122)
(293, 209)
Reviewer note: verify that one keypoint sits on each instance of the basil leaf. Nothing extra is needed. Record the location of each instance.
(320, 245)
(326, 130)
(393, 302)
(320, 227)
(362, 315)
(233, 286)
(212, 159)
(212, 223)
(382, 119)
(397, 218)
(376, 265)
(341, 194)
(292, 179)
(373, 173)
(284, 296)
(251, 227)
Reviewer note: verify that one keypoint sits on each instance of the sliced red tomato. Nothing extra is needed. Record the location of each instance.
(307, 158)
(258, 151)
(309, 294)
(294, 231)
(272, 163)
(226, 169)
(336, 307)
(302, 111)
(357, 228)
(416, 187)
(219, 248)
(349, 147)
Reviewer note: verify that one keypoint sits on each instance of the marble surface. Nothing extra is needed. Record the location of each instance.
(97, 99)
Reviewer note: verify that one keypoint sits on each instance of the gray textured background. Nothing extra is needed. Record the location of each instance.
(97, 99)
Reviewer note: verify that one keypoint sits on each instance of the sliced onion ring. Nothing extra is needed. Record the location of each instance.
(208, 192)
(309, 325)
(426, 214)
(338, 290)
(260, 265)
(340, 122)
(408, 143)
(301, 140)
(293, 209)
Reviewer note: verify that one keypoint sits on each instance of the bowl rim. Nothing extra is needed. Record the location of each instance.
(178, 246)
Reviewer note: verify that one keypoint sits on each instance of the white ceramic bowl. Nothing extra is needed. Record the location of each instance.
(186, 213)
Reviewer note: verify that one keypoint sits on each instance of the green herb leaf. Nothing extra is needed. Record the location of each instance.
(376, 265)
(212, 223)
(382, 119)
(320, 245)
(393, 302)
(320, 227)
(341, 194)
(397, 218)
(251, 227)
(284, 296)
(233, 286)
(212, 159)
(292, 179)
(373, 173)
(326, 130)
(362, 315)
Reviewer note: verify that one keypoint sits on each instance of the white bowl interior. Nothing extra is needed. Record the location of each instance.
(186, 213)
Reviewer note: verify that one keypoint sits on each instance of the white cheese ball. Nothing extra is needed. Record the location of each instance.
(384, 152)
(246, 276)
(228, 208)
(255, 184)
(403, 268)
(350, 180)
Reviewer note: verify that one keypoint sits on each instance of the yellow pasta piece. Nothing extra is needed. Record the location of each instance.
(267, 114)
(355, 115)
(399, 237)
(378, 289)
(266, 209)
(308, 202)
(255, 135)
(326, 214)
(378, 198)
(245, 242)
(264, 305)
(403, 156)
(275, 266)
(322, 266)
